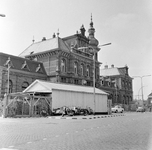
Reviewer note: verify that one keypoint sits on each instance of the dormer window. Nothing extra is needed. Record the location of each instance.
(9, 63)
(39, 69)
(25, 66)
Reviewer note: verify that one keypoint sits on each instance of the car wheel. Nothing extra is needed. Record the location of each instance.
(122, 111)
(116, 111)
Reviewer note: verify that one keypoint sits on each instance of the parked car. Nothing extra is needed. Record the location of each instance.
(140, 109)
(117, 109)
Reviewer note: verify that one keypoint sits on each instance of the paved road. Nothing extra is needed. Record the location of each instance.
(133, 131)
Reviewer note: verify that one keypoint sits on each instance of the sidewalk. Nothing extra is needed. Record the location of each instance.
(80, 117)
(86, 117)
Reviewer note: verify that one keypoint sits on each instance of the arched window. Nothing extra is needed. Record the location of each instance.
(88, 71)
(109, 83)
(102, 82)
(63, 65)
(75, 67)
(10, 86)
(25, 85)
(82, 69)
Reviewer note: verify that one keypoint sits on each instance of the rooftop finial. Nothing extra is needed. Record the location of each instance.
(54, 35)
(33, 40)
(58, 33)
(91, 23)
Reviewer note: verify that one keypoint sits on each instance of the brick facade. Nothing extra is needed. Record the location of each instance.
(68, 60)
(118, 83)
(19, 76)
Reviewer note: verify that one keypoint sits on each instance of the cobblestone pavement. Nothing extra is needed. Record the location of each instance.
(133, 131)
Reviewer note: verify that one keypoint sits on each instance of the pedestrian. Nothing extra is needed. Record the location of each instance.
(63, 111)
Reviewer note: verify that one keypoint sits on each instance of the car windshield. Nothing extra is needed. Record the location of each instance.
(117, 106)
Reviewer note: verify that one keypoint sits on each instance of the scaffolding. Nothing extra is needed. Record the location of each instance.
(26, 104)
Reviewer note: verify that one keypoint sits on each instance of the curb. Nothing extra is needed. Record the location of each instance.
(87, 117)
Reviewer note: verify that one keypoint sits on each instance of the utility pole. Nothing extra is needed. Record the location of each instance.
(141, 77)
(93, 51)
(94, 70)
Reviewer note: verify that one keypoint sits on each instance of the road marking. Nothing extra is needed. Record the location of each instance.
(7, 149)
(57, 136)
(76, 131)
(45, 139)
(29, 142)
(67, 133)
(11, 146)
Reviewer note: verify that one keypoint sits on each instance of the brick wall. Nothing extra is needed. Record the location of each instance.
(17, 78)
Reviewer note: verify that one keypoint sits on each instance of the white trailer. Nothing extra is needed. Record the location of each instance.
(71, 95)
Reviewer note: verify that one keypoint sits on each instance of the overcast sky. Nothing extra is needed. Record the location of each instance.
(127, 24)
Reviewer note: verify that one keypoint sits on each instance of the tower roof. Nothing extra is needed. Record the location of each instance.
(92, 40)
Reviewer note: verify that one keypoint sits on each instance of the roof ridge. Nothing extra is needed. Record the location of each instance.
(110, 68)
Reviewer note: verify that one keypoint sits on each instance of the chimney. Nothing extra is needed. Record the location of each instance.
(54, 35)
(126, 69)
(44, 39)
(106, 66)
(112, 66)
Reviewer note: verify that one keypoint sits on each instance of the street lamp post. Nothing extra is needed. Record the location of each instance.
(8, 68)
(141, 77)
(93, 51)
(139, 91)
(94, 68)
(8, 64)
